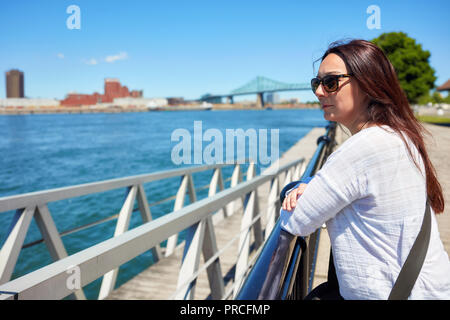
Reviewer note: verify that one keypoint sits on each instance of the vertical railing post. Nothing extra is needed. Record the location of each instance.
(236, 177)
(179, 202)
(288, 177)
(52, 239)
(190, 261)
(191, 254)
(244, 242)
(109, 279)
(257, 228)
(296, 174)
(302, 169)
(146, 215)
(13, 244)
(214, 271)
(217, 180)
(273, 206)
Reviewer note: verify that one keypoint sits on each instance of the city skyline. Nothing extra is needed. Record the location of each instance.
(190, 49)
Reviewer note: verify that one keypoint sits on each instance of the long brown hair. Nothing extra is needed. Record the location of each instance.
(388, 104)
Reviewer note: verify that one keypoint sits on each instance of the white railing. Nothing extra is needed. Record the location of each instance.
(104, 259)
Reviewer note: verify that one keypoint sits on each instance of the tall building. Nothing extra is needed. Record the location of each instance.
(14, 84)
(272, 97)
(113, 89)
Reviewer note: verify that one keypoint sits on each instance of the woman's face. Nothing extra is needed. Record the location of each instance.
(347, 105)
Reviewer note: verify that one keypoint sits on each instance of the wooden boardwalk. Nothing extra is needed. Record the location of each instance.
(160, 280)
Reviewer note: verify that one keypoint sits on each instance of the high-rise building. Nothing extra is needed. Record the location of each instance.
(272, 97)
(112, 87)
(14, 84)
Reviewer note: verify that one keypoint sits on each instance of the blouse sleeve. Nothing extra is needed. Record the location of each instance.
(333, 187)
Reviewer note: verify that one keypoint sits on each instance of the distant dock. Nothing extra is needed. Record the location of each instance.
(95, 109)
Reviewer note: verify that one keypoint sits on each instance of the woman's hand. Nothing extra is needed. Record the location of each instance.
(290, 201)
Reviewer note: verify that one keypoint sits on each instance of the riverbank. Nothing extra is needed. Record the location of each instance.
(94, 109)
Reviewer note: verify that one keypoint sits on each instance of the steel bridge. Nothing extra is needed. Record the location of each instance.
(259, 86)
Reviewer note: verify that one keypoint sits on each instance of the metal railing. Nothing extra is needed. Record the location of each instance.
(104, 259)
(285, 267)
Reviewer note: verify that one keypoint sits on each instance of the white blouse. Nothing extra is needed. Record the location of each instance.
(372, 198)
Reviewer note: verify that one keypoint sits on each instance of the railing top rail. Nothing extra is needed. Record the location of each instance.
(272, 272)
(109, 254)
(44, 196)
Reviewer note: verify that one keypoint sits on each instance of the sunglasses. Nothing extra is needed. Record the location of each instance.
(330, 82)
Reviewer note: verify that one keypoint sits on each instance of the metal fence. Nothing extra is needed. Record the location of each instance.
(104, 259)
(286, 266)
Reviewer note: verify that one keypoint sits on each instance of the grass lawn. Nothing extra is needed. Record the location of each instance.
(434, 119)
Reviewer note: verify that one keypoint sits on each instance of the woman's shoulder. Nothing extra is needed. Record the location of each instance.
(373, 137)
(370, 143)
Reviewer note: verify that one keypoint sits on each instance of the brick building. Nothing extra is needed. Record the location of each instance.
(112, 89)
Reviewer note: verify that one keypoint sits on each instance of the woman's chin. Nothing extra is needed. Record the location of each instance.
(328, 116)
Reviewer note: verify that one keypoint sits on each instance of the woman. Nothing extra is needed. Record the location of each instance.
(372, 191)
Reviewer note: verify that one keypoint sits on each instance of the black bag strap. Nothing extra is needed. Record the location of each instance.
(413, 264)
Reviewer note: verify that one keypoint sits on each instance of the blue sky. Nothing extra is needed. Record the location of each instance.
(188, 48)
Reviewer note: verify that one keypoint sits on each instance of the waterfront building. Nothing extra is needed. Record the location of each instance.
(173, 101)
(15, 84)
(444, 87)
(272, 98)
(130, 102)
(28, 103)
(136, 93)
(112, 90)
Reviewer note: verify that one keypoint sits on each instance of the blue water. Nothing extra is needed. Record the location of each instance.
(39, 152)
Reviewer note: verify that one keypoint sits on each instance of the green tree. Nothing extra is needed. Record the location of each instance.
(434, 98)
(410, 61)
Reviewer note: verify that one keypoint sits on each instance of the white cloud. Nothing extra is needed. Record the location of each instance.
(91, 61)
(60, 55)
(120, 56)
(108, 59)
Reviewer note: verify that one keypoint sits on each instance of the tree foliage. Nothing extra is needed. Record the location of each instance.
(411, 63)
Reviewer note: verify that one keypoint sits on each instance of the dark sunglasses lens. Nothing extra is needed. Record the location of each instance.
(315, 84)
(330, 83)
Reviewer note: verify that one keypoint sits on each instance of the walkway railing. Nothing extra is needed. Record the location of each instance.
(104, 259)
(286, 266)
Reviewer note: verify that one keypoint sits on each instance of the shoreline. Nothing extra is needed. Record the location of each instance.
(84, 109)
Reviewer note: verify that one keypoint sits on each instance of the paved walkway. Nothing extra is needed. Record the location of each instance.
(439, 151)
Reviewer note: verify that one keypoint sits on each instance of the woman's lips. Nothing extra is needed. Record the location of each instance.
(326, 106)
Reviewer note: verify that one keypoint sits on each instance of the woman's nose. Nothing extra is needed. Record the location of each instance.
(320, 92)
